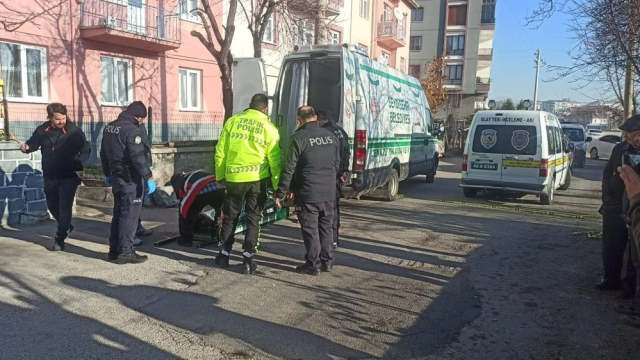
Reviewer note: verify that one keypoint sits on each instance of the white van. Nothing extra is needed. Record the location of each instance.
(515, 151)
(384, 112)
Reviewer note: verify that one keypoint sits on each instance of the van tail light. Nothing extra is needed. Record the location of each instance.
(360, 147)
(465, 160)
(544, 167)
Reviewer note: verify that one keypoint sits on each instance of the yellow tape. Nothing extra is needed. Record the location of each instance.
(523, 210)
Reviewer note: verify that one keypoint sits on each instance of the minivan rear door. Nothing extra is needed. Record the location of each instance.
(521, 153)
(485, 157)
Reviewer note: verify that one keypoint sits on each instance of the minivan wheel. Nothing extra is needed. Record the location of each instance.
(393, 185)
(567, 182)
(469, 192)
(594, 153)
(547, 199)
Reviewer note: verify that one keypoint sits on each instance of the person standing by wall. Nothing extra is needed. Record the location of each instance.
(64, 150)
(126, 166)
(327, 121)
(312, 161)
(247, 163)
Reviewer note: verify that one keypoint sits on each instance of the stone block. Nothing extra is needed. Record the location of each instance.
(100, 194)
(37, 166)
(16, 179)
(34, 181)
(31, 195)
(34, 218)
(37, 156)
(15, 155)
(16, 206)
(13, 219)
(26, 166)
(11, 193)
(37, 206)
(9, 146)
(8, 166)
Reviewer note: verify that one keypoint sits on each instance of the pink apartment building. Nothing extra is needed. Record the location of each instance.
(97, 56)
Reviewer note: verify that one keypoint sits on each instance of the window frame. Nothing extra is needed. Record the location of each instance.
(465, 12)
(24, 74)
(447, 71)
(414, 15)
(129, 79)
(411, 47)
(308, 32)
(456, 37)
(188, 73)
(333, 32)
(188, 15)
(272, 20)
(364, 9)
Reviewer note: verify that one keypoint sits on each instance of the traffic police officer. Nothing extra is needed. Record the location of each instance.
(126, 167)
(326, 121)
(312, 162)
(247, 162)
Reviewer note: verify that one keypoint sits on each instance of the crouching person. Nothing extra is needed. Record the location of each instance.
(196, 190)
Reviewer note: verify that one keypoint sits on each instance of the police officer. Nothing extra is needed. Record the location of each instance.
(327, 121)
(312, 161)
(247, 163)
(126, 167)
(196, 190)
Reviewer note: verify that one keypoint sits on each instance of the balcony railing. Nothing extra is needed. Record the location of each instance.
(131, 16)
(453, 81)
(483, 81)
(391, 28)
(485, 51)
(455, 52)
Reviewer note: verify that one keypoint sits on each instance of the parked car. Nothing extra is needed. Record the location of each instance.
(594, 133)
(601, 148)
(576, 134)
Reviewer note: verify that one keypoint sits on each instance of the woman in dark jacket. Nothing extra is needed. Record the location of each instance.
(64, 150)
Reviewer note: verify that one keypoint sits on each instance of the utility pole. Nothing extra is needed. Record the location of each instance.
(628, 84)
(535, 92)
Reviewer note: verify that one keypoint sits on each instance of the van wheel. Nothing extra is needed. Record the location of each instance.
(432, 176)
(470, 192)
(393, 186)
(547, 199)
(594, 153)
(567, 182)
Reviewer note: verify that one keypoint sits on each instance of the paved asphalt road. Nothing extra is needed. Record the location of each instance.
(416, 278)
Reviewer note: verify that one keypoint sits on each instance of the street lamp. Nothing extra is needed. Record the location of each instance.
(527, 104)
(492, 104)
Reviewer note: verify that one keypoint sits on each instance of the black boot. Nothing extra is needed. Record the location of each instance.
(222, 260)
(58, 244)
(609, 284)
(310, 270)
(326, 266)
(249, 266)
(130, 258)
(112, 256)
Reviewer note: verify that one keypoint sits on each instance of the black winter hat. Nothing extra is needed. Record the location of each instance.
(137, 109)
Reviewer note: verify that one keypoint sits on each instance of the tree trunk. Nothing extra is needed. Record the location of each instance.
(320, 26)
(257, 46)
(226, 71)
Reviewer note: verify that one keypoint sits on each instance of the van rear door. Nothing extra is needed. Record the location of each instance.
(485, 157)
(521, 152)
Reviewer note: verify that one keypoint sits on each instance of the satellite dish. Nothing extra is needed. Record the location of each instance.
(398, 13)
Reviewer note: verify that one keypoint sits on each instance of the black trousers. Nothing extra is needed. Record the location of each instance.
(127, 205)
(614, 241)
(60, 194)
(187, 225)
(253, 196)
(316, 222)
(336, 216)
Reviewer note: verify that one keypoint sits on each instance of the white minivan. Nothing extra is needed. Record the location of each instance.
(516, 151)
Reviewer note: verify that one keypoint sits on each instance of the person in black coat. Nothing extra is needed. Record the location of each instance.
(64, 150)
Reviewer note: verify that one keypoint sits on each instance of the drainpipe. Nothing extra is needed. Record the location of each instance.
(374, 27)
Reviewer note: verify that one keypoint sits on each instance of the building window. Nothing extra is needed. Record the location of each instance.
(455, 45)
(488, 12)
(189, 10)
(453, 75)
(269, 32)
(334, 37)
(414, 70)
(190, 90)
(403, 64)
(415, 43)
(383, 58)
(116, 81)
(457, 15)
(417, 14)
(364, 8)
(386, 15)
(24, 69)
(305, 32)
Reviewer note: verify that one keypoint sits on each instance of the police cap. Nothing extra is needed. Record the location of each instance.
(632, 124)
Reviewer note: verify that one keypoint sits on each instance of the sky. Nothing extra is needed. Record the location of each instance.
(513, 68)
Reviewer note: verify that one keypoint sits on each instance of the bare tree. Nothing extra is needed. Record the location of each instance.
(12, 17)
(218, 43)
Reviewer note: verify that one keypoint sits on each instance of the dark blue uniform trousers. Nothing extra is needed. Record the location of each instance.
(127, 205)
(316, 222)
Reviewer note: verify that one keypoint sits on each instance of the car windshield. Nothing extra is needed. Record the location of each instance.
(574, 134)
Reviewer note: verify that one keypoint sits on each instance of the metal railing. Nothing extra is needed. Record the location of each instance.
(453, 81)
(131, 16)
(391, 28)
(485, 51)
(455, 52)
(483, 80)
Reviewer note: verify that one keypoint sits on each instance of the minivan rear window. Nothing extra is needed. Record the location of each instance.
(501, 139)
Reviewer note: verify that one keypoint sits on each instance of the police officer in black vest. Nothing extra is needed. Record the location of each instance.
(127, 168)
(326, 121)
(312, 162)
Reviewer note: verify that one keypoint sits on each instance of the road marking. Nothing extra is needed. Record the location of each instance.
(565, 215)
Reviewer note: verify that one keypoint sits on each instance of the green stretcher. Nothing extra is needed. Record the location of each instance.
(207, 233)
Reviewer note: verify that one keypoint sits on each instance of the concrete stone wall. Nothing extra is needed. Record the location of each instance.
(22, 199)
(169, 161)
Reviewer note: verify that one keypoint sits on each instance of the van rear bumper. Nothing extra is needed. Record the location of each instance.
(534, 189)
